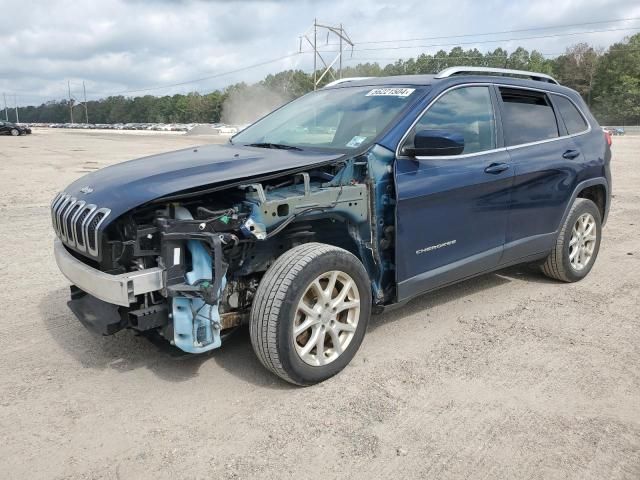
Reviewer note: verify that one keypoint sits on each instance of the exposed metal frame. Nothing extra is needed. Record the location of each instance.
(543, 77)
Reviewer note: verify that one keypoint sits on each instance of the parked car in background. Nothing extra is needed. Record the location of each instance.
(9, 128)
(351, 199)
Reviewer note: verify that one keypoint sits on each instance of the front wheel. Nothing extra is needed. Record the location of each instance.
(15, 132)
(577, 245)
(310, 313)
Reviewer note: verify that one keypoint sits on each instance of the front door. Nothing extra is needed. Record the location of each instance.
(452, 210)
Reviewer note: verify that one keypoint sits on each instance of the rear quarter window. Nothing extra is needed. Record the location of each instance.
(573, 119)
(527, 116)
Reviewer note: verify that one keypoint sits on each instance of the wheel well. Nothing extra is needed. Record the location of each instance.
(333, 231)
(597, 194)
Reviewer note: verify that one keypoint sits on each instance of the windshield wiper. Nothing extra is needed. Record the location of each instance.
(280, 146)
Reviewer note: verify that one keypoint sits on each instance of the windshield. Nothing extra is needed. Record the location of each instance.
(340, 119)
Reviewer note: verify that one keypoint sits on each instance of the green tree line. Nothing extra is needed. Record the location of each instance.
(608, 80)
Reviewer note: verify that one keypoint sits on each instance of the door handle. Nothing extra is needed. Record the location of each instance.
(496, 168)
(571, 154)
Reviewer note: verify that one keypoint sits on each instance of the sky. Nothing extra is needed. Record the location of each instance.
(138, 47)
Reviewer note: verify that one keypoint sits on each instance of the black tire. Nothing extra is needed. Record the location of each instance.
(14, 132)
(275, 304)
(558, 265)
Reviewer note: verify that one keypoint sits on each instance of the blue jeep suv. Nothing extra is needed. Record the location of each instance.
(346, 201)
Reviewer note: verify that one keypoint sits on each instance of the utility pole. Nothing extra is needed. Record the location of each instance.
(343, 37)
(70, 101)
(15, 100)
(86, 112)
(6, 113)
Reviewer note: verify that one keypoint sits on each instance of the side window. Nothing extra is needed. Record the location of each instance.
(465, 110)
(528, 116)
(573, 119)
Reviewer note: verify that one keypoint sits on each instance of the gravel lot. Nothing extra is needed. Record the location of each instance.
(509, 375)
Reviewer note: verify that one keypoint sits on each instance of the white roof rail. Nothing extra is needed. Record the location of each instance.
(543, 77)
(344, 80)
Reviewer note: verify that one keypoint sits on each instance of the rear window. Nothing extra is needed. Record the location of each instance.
(573, 119)
(528, 116)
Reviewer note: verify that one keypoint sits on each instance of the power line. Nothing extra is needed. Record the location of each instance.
(494, 33)
(489, 41)
(266, 62)
(290, 55)
(210, 77)
(467, 57)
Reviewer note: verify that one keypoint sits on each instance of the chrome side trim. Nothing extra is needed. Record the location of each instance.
(117, 289)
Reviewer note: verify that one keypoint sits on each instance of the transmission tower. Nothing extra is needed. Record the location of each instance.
(73, 102)
(311, 37)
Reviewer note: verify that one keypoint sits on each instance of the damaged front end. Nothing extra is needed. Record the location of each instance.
(188, 266)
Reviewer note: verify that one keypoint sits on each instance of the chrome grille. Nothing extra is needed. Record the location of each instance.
(77, 223)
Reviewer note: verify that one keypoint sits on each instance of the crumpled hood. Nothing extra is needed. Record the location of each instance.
(127, 185)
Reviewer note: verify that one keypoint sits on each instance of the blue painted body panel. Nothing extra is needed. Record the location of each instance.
(544, 181)
(127, 185)
(442, 200)
(494, 220)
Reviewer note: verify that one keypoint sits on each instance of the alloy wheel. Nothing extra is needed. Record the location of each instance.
(583, 241)
(326, 318)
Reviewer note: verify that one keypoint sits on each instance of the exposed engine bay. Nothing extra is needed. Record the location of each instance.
(215, 245)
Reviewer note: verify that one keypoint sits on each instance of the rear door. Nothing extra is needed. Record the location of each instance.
(545, 161)
(452, 210)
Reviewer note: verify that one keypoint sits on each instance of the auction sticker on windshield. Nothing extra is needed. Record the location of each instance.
(356, 141)
(391, 92)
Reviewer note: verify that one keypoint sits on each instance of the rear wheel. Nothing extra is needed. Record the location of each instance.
(577, 245)
(310, 313)
(15, 132)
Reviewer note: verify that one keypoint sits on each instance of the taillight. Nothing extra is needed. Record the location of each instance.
(607, 137)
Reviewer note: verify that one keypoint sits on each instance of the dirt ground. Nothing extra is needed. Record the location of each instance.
(509, 375)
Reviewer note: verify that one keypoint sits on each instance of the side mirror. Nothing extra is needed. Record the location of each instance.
(433, 143)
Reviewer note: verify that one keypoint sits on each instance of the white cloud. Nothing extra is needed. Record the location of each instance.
(118, 45)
